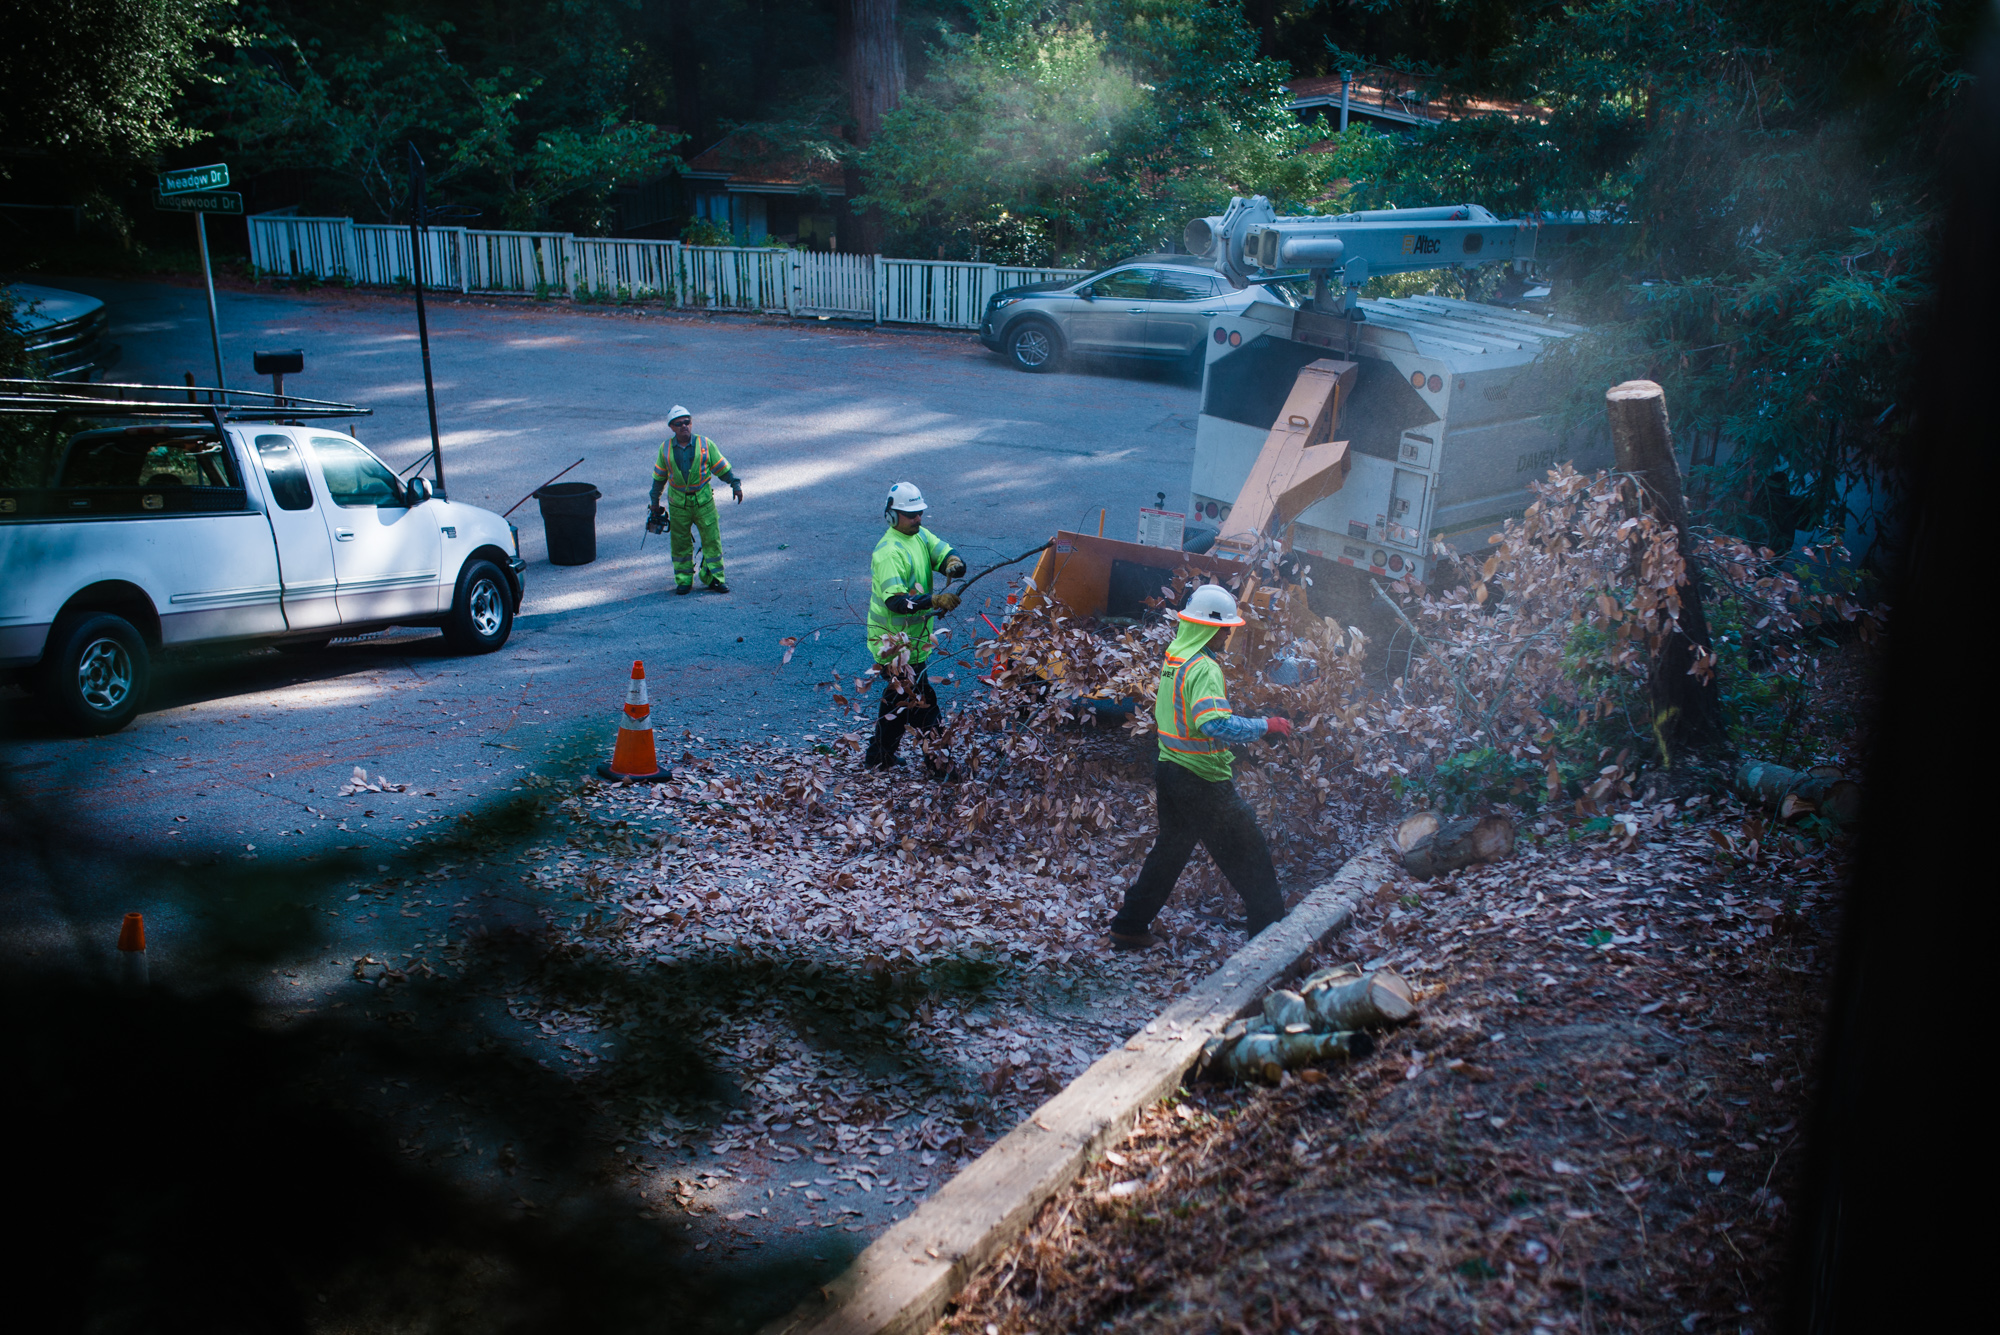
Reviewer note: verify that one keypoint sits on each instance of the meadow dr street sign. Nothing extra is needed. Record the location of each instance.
(183, 180)
(206, 201)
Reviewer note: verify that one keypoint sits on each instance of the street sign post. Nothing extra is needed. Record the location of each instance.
(198, 190)
(419, 223)
(182, 180)
(201, 201)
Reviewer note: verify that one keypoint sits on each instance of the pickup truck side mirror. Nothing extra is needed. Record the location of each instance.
(418, 490)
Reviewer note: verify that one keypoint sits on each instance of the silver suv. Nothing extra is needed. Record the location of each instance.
(1157, 308)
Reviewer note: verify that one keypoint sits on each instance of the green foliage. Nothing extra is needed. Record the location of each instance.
(15, 361)
(528, 144)
(93, 83)
(707, 232)
(29, 446)
(1776, 161)
(1767, 681)
(1086, 131)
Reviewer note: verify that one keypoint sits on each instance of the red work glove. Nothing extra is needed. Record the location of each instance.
(1281, 727)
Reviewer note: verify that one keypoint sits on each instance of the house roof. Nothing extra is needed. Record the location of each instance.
(1382, 94)
(752, 164)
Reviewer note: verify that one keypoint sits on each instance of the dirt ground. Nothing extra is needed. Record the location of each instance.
(1593, 1126)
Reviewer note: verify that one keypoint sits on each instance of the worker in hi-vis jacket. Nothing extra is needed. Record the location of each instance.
(900, 600)
(683, 468)
(1198, 802)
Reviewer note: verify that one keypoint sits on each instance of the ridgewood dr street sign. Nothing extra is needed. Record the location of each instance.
(207, 201)
(186, 179)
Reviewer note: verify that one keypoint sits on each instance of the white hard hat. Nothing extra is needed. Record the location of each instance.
(904, 496)
(676, 413)
(1211, 605)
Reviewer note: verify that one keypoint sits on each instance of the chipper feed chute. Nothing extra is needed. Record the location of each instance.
(1105, 578)
(1300, 464)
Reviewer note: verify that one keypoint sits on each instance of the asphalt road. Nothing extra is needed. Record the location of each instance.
(243, 748)
(217, 814)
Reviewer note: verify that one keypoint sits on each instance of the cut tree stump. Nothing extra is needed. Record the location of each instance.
(1688, 710)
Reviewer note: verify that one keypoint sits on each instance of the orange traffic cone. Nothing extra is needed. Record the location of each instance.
(634, 760)
(132, 951)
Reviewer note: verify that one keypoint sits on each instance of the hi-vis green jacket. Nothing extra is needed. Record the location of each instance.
(1193, 695)
(708, 463)
(903, 563)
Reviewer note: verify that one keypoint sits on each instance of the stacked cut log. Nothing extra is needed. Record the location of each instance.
(1427, 844)
(1329, 1016)
(1794, 793)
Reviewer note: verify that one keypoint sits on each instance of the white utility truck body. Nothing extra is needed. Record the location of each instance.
(199, 532)
(1445, 427)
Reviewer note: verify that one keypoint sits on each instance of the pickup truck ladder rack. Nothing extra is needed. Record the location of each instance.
(188, 403)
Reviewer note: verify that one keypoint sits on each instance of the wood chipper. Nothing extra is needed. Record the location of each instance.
(1109, 581)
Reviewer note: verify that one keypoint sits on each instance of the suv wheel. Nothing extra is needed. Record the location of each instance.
(1034, 345)
(482, 611)
(94, 672)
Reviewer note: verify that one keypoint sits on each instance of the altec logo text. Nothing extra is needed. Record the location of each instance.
(1421, 245)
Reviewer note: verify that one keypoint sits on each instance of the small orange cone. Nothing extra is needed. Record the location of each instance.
(132, 969)
(633, 759)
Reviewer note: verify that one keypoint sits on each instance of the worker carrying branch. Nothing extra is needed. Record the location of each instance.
(1198, 802)
(683, 468)
(901, 602)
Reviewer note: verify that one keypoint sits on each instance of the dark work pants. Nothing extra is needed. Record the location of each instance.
(1194, 810)
(914, 708)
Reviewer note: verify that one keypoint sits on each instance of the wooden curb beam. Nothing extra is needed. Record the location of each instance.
(902, 1283)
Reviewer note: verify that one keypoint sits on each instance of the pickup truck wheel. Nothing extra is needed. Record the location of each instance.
(482, 611)
(95, 672)
(1034, 345)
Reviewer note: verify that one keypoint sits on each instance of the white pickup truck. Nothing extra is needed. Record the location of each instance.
(238, 524)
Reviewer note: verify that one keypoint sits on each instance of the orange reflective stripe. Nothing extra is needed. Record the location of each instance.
(699, 470)
(1180, 740)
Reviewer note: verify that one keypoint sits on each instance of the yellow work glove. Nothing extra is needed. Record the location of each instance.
(944, 602)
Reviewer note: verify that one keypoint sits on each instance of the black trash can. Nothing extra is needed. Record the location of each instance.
(569, 521)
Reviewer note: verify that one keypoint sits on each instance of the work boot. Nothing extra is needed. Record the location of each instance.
(682, 589)
(717, 586)
(879, 756)
(1140, 940)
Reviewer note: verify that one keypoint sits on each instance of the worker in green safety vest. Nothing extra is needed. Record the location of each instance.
(900, 601)
(683, 468)
(1198, 802)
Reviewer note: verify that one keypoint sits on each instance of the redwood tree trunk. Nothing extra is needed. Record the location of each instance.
(1262, 16)
(871, 65)
(686, 66)
(1687, 711)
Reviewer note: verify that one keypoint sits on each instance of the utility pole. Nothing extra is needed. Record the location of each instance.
(1346, 91)
(419, 224)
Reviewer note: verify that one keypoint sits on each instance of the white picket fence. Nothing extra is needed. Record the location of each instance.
(948, 293)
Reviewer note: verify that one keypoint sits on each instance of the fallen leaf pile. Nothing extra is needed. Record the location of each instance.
(855, 983)
(783, 956)
(1594, 1125)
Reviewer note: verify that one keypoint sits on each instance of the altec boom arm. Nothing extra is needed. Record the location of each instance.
(1250, 242)
(1301, 463)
